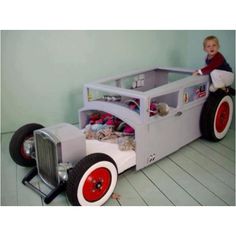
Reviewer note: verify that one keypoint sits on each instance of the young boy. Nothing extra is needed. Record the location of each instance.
(216, 65)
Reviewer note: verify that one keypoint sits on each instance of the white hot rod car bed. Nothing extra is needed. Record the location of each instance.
(129, 120)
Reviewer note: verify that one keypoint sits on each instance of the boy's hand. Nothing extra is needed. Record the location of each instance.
(195, 73)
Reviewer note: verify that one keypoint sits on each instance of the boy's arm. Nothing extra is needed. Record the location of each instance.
(216, 61)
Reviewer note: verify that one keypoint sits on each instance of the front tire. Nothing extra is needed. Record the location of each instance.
(16, 146)
(216, 116)
(92, 181)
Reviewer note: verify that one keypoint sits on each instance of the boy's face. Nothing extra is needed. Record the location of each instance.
(211, 48)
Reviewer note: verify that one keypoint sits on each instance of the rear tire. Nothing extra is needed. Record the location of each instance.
(92, 181)
(216, 116)
(16, 146)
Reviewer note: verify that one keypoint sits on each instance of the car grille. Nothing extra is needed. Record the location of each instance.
(47, 159)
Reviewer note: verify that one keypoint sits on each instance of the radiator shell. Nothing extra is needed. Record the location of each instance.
(61, 143)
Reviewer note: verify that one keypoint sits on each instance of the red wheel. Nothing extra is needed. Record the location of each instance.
(24, 150)
(21, 146)
(216, 116)
(96, 184)
(223, 117)
(92, 181)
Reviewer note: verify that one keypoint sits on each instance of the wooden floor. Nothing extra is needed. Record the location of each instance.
(202, 173)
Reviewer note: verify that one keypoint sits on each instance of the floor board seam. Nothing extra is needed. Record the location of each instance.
(200, 182)
(179, 184)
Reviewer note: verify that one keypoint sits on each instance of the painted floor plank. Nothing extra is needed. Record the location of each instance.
(209, 165)
(220, 148)
(204, 177)
(214, 156)
(8, 172)
(26, 197)
(60, 200)
(128, 195)
(229, 140)
(112, 202)
(114, 199)
(148, 191)
(175, 193)
(190, 184)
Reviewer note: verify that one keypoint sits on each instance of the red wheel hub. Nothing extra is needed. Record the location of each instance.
(97, 184)
(222, 117)
(22, 149)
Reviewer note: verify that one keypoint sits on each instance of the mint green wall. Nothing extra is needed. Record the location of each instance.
(1, 115)
(43, 71)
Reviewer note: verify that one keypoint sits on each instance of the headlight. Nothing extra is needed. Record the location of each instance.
(62, 170)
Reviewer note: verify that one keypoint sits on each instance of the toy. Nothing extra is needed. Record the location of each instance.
(128, 121)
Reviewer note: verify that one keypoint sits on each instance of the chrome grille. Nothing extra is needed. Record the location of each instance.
(47, 159)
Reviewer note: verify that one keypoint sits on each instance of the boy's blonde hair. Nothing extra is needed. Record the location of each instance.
(211, 37)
